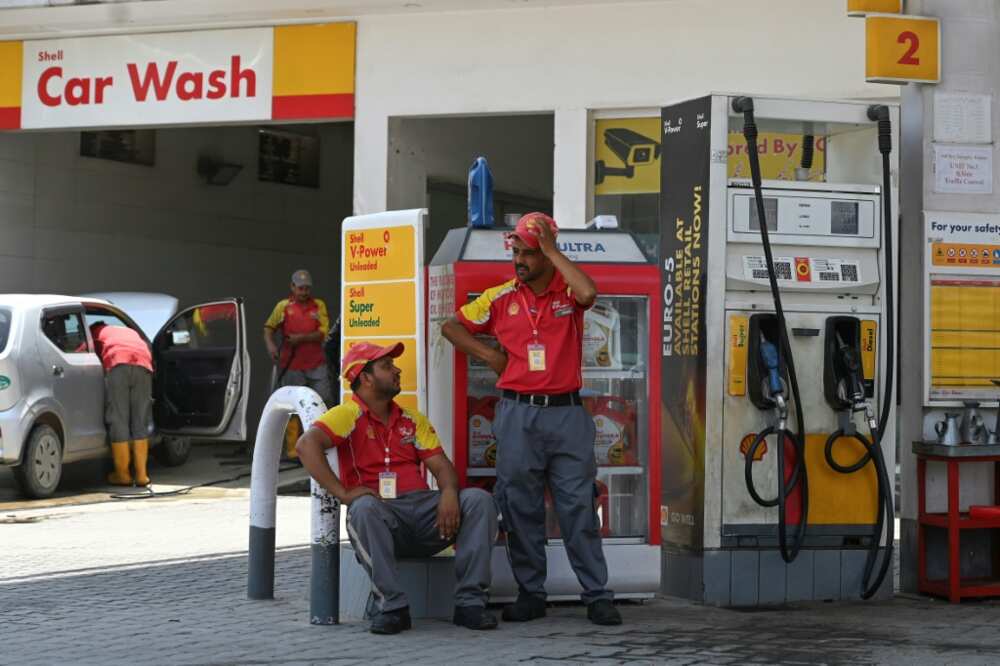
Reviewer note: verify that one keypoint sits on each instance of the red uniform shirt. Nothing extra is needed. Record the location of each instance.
(501, 312)
(119, 345)
(361, 440)
(293, 317)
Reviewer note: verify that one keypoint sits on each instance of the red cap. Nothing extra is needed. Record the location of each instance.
(524, 230)
(363, 352)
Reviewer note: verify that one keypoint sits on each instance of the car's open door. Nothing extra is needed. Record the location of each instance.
(201, 381)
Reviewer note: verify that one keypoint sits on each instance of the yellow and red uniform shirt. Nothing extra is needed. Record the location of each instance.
(293, 317)
(500, 312)
(120, 345)
(361, 440)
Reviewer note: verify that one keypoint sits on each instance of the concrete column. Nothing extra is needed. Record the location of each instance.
(570, 167)
(969, 57)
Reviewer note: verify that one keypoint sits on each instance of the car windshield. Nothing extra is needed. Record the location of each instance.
(4, 328)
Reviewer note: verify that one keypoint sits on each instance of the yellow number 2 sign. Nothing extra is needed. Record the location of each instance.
(902, 49)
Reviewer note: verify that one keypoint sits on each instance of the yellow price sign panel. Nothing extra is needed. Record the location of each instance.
(902, 49)
(862, 7)
(407, 362)
(739, 332)
(380, 310)
(381, 253)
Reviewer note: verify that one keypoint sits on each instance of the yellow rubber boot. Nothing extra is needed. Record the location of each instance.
(120, 458)
(292, 432)
(140, 454)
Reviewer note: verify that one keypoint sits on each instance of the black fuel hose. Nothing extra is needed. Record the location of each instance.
(885, 525)
(744, 105)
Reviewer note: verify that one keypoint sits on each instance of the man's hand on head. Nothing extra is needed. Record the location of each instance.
(546, 239)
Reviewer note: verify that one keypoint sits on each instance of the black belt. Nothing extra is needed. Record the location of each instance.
(544, 400)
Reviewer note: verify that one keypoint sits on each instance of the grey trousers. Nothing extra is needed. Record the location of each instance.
(128, 400)
(555, 446)
(382, 530)
(318, 379)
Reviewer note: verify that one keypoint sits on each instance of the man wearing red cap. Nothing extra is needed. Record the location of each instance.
(304, 323)
(544, 435)
(391, 511)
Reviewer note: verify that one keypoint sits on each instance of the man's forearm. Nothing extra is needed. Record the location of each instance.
(315, 463)
(465, 342)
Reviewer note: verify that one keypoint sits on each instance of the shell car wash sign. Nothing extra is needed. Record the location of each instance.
(256, 74)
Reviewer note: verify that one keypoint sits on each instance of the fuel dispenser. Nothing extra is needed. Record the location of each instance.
(777, 427)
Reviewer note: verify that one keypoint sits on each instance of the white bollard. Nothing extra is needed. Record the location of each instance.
(282, 404)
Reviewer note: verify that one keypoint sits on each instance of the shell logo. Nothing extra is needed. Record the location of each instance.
(747, 442)
(513, 309)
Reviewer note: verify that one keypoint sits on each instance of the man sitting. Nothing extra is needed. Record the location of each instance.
(391, 511)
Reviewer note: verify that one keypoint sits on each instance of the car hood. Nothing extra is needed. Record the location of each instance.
(150, 311)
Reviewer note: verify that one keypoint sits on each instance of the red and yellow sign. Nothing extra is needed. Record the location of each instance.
(803, 271)
(239, 75)
(779, 155)
(862, 7)
(381, 253)
(314, 71)
(902, 49)
(965, 255)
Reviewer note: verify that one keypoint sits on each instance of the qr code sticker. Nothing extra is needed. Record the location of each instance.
(849, 272)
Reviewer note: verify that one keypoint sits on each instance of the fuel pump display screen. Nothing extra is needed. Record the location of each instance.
(770, 210)
(844, 218)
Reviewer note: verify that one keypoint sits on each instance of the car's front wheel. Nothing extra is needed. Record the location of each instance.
(172, 451)
(40, 470)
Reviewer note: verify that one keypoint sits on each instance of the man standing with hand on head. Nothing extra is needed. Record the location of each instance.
(544, 435)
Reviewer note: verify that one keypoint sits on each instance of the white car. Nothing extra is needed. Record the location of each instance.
(52, 382)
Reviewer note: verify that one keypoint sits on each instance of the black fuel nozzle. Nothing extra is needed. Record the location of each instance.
(744, 105)
(880, 113)
(851, 363)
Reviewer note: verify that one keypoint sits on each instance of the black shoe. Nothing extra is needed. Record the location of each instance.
(391, 622)
(525, 608)
(604, 612)
(474, 617)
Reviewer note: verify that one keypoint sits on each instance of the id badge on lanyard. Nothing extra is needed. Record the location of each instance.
(536, 350)
(386, 479)
(387, 485)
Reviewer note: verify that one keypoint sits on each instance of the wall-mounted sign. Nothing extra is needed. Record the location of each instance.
(902, 49)
(862, 7)
(963, 117)
(963, 169)
(252, 74)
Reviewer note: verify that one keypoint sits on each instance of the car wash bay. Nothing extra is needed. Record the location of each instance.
(221, 197)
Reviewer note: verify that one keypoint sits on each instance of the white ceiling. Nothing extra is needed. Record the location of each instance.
(51, 18)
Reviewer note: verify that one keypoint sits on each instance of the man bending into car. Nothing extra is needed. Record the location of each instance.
(391, 511)
(128, 396)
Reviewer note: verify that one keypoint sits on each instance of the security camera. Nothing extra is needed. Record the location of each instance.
(632, 148)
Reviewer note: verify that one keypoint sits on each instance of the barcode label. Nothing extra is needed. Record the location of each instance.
(829, 277)
(849, 272)
(755, 268)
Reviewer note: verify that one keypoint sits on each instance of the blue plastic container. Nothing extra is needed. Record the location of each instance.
(480, 194)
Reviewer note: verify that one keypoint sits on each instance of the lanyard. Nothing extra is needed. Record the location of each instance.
(383, 441)
(534, 320)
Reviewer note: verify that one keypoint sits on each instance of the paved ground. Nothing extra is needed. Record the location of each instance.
(163, 581)
(210, 466)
